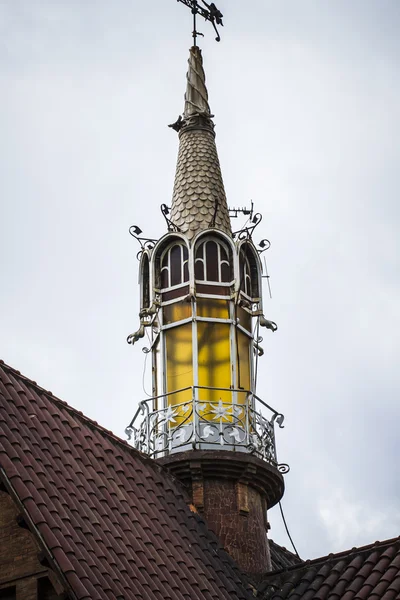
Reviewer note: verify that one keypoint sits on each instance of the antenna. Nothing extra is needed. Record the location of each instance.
(244, 210)
(266, 276)
(209, 12)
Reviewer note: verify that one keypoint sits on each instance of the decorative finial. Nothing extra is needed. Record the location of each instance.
(196, 114)
(209, 13)
(196, 97)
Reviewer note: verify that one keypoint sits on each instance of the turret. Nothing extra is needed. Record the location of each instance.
(201, 303)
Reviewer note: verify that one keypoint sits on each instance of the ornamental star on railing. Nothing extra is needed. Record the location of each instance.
(221, 411)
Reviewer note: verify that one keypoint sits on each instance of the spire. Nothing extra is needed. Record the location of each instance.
(196, 97)
(199, 200)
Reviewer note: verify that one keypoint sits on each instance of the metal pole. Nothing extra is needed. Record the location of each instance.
(194, 11)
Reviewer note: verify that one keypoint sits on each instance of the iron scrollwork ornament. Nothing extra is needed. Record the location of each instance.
(145, 243)
(283, 468)
(204, 425)
(247, 232)
(209, 12)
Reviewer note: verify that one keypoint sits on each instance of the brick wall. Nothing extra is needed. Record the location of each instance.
(236, 512)
(19, 562)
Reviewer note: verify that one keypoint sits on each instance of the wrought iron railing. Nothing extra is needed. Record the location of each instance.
(205, 424)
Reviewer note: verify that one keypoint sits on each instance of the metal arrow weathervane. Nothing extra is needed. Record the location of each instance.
(209, 12)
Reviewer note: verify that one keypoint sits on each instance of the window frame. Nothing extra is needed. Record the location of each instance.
(183, 261)
(252, 272)
(201, 243)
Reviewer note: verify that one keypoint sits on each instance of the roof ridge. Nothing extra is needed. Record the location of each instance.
(335, 556)
(355, 549)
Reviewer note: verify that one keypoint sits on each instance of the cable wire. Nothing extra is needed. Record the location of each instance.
(287, 531)
(144, 368)
(256, 330)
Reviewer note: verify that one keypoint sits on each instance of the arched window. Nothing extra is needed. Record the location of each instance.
(145, 283)
(249, 272)
(174, 266)
(213, 262)
(245, 275)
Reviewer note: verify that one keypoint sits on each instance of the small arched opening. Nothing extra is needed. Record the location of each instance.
(213, 266)
(145, 282)
(249, 272)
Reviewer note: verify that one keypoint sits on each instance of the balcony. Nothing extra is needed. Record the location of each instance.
(206, 424)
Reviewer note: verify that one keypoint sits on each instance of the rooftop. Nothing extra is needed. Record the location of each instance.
(114, 524)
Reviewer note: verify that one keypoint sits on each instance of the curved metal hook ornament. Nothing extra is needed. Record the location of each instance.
(283, 468)
(279, 418)
(268, 324)
(165, 210)
(145, 243)
(144, 409)
(247, 232)
(264, 245)
(256, 220)
(260, 351)
(129, 433)
(135, 337)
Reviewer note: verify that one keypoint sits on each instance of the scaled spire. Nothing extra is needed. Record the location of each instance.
(199, 200)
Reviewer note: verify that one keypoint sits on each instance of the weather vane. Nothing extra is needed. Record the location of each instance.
(209, 12)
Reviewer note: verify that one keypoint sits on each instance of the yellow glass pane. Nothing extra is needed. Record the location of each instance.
(244, 318)
(179, 365)
(214, 364)
(213, 308)
(177, 312)
(243, 367)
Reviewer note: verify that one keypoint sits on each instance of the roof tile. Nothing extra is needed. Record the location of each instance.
(116, 523)
(371, 572)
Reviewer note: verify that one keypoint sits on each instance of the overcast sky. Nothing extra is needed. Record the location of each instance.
(306, 97)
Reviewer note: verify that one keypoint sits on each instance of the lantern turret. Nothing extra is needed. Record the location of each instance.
(201, 302)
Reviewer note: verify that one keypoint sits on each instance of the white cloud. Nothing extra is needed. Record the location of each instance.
(351, 522)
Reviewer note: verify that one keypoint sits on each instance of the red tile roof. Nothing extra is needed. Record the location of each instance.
(115, 524)
(371, 572)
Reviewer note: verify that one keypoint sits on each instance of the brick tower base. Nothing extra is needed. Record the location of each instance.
(232, 490)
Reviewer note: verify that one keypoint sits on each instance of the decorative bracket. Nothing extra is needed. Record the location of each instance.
(145, 243)
(268, 324)
(135, 337)
(165, 210)
(247, 232)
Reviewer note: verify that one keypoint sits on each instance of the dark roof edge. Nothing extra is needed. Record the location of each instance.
(335, 557)
(52, 563)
